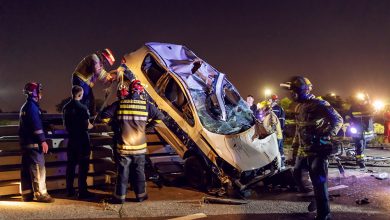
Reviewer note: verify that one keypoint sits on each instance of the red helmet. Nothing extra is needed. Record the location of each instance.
(274, 97)
(136, 86)
(32, 89)
(123, 90)
(107, 54)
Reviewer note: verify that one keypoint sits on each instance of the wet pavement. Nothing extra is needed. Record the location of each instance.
(265, 203)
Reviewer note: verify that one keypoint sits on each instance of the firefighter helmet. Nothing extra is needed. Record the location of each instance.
(274, 97)
(263, 105)
(32, 89)
(108, 55)
(136, 86)
(299, 86)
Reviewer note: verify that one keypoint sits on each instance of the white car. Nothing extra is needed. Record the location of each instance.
(207, 121)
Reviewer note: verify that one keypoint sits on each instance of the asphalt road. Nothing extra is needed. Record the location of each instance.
(265, 203)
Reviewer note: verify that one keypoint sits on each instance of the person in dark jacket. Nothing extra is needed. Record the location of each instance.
(129, 118)
(360, 117)
(33, 145)
(316, 122)
(250, 101)
(76, 121)
(88, 71)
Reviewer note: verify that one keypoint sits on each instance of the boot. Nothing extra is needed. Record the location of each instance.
(141, 199)
(86, 195)
(360, 163)
(45, 198)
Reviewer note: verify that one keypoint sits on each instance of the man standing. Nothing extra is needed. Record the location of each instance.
(129, 117)
(360, 117)
(279, 112)
(33, 145)
(316, 122)
(251, 105)
(88, 71)
(76, 121)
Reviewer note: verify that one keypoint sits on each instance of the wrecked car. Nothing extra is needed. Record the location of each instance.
(207, 122)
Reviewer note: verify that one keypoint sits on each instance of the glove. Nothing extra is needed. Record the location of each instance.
(325, 140)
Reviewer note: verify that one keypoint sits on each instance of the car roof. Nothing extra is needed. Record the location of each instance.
(179, 60)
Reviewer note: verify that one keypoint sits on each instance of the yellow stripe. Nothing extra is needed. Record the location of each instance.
(106, 120)
(132, 106)
(129, 112)
(132, 152)
(81, 76)
(158, 121)
(132, 147)
(133, 101)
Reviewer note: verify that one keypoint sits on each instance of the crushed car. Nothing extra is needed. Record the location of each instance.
(207, 121)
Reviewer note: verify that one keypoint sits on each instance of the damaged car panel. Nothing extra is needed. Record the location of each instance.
(205, 115)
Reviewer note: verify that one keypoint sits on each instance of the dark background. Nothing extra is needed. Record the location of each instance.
(342, 46)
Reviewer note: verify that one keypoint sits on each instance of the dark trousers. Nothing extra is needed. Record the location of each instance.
(318, 171)
(33, 173)
(130, 167)
(78, 153)
(360, 145)
(281, 151)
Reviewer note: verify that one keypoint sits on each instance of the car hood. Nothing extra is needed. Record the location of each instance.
(243, 151)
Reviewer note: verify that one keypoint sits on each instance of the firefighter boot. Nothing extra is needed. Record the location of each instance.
(360, 161)
(46, 198)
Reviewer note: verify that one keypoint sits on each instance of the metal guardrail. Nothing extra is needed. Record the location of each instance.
(102, 168)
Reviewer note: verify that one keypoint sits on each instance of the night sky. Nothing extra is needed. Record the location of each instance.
(342, 46)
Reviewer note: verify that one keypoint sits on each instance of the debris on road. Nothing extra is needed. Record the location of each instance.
(362, 201)
(330, 189)
(381, 176)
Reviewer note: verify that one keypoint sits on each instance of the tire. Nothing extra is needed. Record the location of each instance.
(196, 174)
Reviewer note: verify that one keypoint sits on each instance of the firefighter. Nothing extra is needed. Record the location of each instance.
(279, 112)
(128, 118)
(89, 70)
(33, 146)
(271, 124)
(361, 123)
(76, 122)
(316, 123)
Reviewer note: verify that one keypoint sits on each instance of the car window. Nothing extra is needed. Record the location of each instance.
(176, 96)
(152, 69)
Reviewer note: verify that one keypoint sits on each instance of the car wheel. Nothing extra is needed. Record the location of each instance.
(196, 174)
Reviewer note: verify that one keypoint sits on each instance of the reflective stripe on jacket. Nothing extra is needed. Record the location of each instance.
(129, 118)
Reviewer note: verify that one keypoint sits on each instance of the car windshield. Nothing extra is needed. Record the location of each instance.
(238, 115)
(220, 107)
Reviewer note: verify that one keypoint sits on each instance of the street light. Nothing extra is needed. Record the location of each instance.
(333, 94)
(378, 105)
(267, 93)
(360, 96)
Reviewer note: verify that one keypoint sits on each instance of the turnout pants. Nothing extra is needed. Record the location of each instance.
(318, 171)
(130, 167)
(78, 152)
(360, 146)
(33, 173)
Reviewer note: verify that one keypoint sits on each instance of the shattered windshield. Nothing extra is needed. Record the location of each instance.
(239, 116)
(220, 107)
